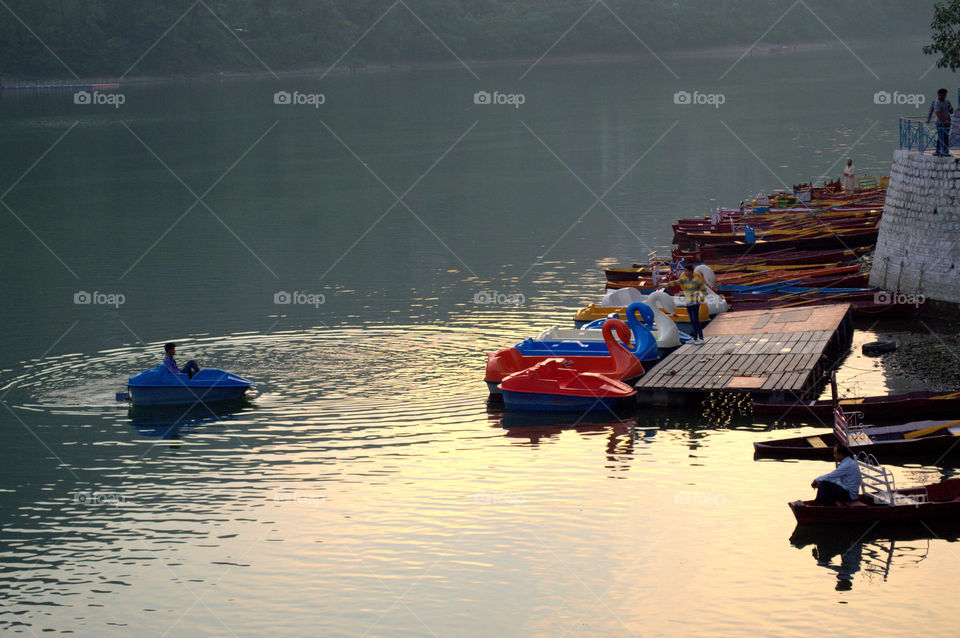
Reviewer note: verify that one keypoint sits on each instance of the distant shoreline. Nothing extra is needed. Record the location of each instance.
(731, 51)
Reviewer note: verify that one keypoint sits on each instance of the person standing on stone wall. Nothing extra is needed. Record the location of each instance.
(849, 178)
(942, 109)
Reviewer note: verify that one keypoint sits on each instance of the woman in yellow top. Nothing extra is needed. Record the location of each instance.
(694, 290)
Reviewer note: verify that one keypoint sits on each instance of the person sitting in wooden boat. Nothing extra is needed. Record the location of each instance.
(841, 485)
(171, 364)
(694, 290)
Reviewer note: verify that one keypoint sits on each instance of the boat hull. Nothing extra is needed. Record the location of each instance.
(559, 403)
(181, 395)
(830, 242)
(928, 449)
(898, 406)
(554, 385)
(157, 386)
(944, 504)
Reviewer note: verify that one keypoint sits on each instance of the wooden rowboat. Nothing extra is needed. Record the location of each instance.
(771, 234)
(593, 312)
(788, 256)
(637, 272)
(921, 441)
(937, 501)
(849, 276)
(888, 442)
(855, 239)
(880, 501)
(889, 407)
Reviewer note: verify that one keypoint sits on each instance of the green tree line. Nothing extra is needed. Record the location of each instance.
(109, 37)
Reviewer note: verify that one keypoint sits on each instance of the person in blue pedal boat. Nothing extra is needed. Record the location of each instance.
(171, 364)
(694, 290)
(841, 485)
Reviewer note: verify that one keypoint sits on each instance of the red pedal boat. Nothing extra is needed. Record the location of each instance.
(554, 384)
(620, 364)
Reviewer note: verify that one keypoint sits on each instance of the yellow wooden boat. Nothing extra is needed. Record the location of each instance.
(594, 312)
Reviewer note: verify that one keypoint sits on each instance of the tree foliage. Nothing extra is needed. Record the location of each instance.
(945, 41)
(184, 37)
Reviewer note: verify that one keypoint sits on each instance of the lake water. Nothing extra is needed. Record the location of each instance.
(367, 488)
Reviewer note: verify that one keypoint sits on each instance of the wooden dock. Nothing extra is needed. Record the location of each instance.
(779, 354)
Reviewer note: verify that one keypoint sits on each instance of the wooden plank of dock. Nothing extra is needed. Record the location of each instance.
(775, 352)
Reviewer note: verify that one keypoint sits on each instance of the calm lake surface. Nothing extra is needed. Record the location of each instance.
(367, 488)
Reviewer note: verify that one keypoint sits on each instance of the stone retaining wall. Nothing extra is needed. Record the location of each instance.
(918, 250)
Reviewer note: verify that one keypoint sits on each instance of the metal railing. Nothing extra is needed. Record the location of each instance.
(917, 135)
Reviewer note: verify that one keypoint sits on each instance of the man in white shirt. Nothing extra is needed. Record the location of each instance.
(841, 485)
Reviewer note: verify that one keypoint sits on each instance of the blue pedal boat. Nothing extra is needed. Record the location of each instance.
(644, 346)
(158, 386)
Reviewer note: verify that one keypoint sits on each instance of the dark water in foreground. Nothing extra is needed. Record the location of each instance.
(366, 488)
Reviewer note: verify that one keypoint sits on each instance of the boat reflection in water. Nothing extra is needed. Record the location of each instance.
(170, 422)
(620, 426)
(536, 425)
(872, 550)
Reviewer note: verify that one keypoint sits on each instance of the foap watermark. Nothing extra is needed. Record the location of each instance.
(97, 298)
(299, 99)
(487, 297)
(498, 499)
(310, 500)
(516, 100)
(99, 498)
(297, 298)
(898, 298)
(897, 98)
(116, 100)
(699, 498)
(698, 98)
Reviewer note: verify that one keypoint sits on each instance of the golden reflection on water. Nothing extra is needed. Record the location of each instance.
(368, 466)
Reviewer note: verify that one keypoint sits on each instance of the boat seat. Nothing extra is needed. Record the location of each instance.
(855, 438)
(816, 441)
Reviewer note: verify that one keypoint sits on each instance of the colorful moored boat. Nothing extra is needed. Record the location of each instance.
(554, 384)
(924, 441)
(618, 362)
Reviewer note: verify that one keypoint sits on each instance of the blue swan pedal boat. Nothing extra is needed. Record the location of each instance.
(159, 386)
(588, 342)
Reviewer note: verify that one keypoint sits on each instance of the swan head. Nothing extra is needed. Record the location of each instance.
(662, 299)
(621, 328)
(646, 313)
(707, 274)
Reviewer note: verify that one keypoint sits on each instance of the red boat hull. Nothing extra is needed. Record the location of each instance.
(553, 384)
(943, 503)
(858, 239)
